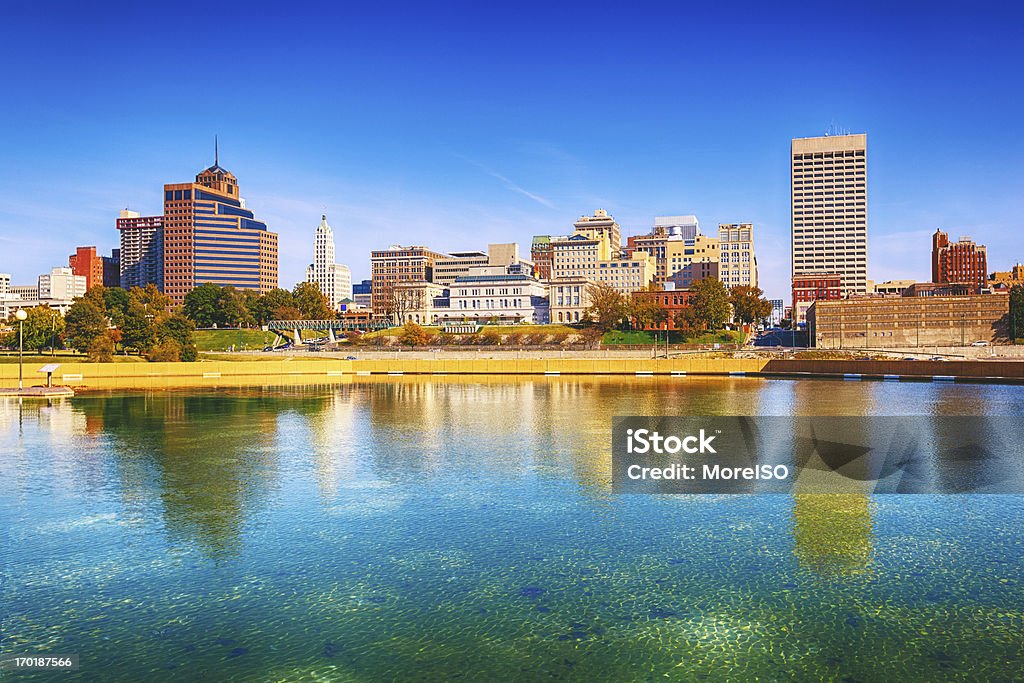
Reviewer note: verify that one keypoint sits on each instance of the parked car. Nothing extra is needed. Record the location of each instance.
(937, 358)
(980, 342)
(909, 358)
(351, 358)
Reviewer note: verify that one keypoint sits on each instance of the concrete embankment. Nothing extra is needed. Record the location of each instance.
(291, 371)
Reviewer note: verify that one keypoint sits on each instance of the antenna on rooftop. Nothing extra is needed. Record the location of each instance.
(216, 152)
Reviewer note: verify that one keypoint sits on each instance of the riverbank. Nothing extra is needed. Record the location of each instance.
(292, 370)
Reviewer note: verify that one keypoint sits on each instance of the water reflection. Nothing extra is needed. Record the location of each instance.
(832, 532)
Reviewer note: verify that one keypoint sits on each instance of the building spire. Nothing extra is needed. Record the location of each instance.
(216, 152)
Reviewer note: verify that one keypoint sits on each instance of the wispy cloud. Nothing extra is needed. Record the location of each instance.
(509, 185)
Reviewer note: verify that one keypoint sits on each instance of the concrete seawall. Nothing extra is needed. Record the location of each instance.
(292, 372)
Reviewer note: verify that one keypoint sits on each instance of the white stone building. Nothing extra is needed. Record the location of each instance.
(334, 279)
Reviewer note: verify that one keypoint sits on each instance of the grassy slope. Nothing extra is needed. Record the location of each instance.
(219, 340)
(643, 337)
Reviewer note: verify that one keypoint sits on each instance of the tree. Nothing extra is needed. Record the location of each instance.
(231, 308)
(710, 303)
(287, 313)
(312, 302)
(202, 305)
(1016, 312)
(686, 321)
(116, 301)
(607, 307)
(414, 335)
(263, 308)
(43, 327)
(644, 309)
(152, 299)
(101, 349)
(138, 331)
(166, 351)
(181, 330)
(591, 337)
(749, 304)
(84, 322)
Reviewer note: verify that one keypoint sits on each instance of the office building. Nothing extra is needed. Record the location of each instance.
(600, 226)
(962, 262)
(61, 284)
(889, 287)
(1006, 279)
(541, 253)
(210, 236)
(142, 250)
(811, 287)
(333, 279)
(112, 269)
(497, 294)
(670, 300)
(778, 311)
(398, 264)
(667, 230)
(86, 263)
(736, 257)
(688, 260)
(455, 264)
(908, 321)
(829, 210)
(568, 299)
(361, 294)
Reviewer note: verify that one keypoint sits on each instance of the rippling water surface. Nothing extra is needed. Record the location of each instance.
(431, 530)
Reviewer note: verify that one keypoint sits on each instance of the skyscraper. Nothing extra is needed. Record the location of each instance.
(334, 279)
(142, 249)
(961, 262)
(829, 211)
(86, 263)
(736, 255)
(209, 236)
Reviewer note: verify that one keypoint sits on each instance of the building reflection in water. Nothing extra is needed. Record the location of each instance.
(206, 461)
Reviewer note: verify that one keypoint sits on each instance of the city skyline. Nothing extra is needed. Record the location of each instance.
(459, 140)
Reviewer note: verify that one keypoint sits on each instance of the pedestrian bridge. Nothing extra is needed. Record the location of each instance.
(291, 330)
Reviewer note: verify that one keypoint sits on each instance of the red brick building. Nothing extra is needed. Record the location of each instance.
(672, 301)
(962, 262)
(85, 262)
(813, 287)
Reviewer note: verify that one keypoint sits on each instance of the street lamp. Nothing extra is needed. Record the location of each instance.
(21, 315)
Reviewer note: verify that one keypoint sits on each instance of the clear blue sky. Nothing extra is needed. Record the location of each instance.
(458, 124)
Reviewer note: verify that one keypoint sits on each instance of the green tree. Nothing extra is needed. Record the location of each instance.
(312, 302)
(749, 304)
(165, 351)
(138, 329)
(710, 303)
(179, 329)
(152, 299)
(686, 322)
(233, 311)
(101, 348)
(115, 301)
(43, 327)
(202, 305)
(607, 307)
(1016, 312)
(643, 309)
(264, 308)
(286, 313)
(84, 323)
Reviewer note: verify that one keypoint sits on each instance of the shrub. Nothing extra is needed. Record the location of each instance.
(490, 338)
(167, 351)
(414, 335)
(101, 349)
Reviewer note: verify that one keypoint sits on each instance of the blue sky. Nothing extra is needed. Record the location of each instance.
(458, 124)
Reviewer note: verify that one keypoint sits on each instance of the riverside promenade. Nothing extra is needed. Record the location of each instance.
(301, 369)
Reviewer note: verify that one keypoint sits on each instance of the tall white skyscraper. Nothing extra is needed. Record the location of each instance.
(334, 279)
(830, 212)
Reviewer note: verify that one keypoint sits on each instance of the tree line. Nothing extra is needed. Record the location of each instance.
(710, 306)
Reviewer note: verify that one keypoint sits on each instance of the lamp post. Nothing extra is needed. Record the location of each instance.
(21, 315)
